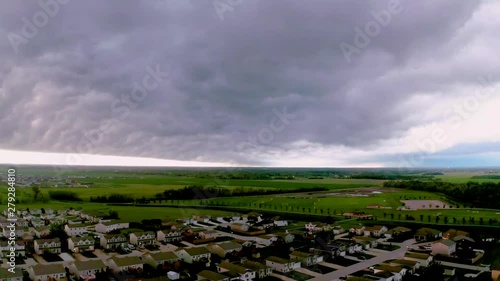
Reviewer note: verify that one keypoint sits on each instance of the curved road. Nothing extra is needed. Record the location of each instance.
(397, 254)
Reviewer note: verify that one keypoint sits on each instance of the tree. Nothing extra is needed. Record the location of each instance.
(36, 191)
(421, 217)
(437, 219)
(463, 220)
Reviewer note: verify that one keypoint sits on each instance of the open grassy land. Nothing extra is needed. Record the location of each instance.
(464, 177)
(135, 214)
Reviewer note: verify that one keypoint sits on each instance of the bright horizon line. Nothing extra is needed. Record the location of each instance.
(27, 158)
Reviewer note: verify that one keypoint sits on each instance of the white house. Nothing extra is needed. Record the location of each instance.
(42, 231)
(244, 273)
(88, 269)
(169, 236)
(222, 249)
(19, 248)
(279, 223)
(194, 254)
(108, 226)
(282, 265)
(47, 272)
(397, 271)
(358, 230)
(49, 245)
(76, 229)
(422, 258)
(130, 263)
(142, 238)
(305, 258)
(287, 237)
(159, 259)
(444, 247)
(262, 271)
(113, 241)
(81, 244)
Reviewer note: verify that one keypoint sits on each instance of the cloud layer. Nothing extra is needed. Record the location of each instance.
(266, 84)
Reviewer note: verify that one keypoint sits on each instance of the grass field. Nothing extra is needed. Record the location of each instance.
(464, 177)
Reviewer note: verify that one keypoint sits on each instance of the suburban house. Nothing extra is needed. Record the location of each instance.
(267, 240)
(159, 259)
(108, 226)
(42, 231)
(287, 237)
(427, 234)
(81, 244)
(372, 241)
(6, 275)
(422, 258)
(19, 248)
(305, 258)
(142, 238)
(262, 271)
(244, 273)
(282, 265)
(397, 231)
(49, 245)
(357, 230)
(444, 247)
(211, 276)
(317, 227)
(113, 241)
(47, 272)
(195, 254)
(378, 230)
(37, 222)
(411, 265)
(208, 234)
(87, 270)
(222, 249)
(241, 227)
(130, 263)
(19, 230)
(76, 229)
(397, 271)
(452, 233)
(168, 236)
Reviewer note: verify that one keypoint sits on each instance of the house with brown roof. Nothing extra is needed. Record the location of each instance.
(444, 247)
(211, 276)
(113, 241)
(262, 271)
(222, 249)
(142, 238)
(427, 234)
(42, 231)
(160, 259)
(243, 273)
(306, 259)
(45, 272)
(282, 265)
(81, 244)
(422, 258)
(19, 248)
(87, 270)
(49, 245)
(127, 264)
(6, 275)
(194, 254)
(108, 226)
(168, 236)
(452, 233)
(397, 231)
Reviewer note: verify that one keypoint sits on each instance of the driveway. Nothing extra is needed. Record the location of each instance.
(335, 275)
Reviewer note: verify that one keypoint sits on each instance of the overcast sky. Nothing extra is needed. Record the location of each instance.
(257, 83)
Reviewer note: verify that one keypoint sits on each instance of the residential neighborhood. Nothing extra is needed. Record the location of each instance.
(231, 248)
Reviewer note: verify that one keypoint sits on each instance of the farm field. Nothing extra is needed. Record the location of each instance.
(464, 177)
(134, 214)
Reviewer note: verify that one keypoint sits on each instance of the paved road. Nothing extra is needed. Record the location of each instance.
(465, 266)
(335, 275)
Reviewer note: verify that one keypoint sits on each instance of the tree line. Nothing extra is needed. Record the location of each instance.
(472, 194)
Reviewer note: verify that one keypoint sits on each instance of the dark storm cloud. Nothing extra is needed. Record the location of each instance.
(225, 77)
